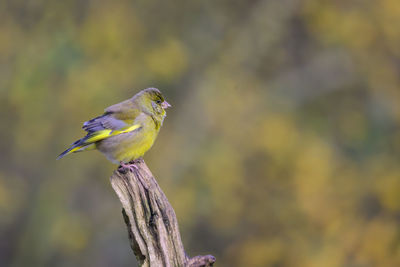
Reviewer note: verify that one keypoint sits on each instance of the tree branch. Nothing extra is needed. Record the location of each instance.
(151, 221)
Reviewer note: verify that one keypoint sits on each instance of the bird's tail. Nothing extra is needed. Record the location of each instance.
(77, 146)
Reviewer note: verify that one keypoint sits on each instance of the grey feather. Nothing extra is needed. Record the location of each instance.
(106, 121)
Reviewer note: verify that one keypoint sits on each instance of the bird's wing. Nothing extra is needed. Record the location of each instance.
(117, 119)
(103, 122)
(111, 123)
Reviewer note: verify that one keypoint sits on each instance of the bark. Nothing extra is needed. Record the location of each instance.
(151, 221)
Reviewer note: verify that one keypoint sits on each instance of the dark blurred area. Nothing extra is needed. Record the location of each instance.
(282, 147)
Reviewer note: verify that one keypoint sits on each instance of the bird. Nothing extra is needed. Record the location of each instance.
(126, 131)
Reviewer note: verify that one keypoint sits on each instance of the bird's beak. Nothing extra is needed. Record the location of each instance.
(165, 105)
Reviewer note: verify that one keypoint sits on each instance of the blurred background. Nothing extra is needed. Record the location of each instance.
(282, 147)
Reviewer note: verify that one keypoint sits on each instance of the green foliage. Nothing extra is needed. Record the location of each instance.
(281, 149)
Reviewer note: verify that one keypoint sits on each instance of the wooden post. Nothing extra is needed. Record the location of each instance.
(151, 221)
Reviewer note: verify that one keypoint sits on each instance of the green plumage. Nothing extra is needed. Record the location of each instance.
(126, 130)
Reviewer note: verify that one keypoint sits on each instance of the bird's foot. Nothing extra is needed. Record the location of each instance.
(137, 161)
(131, 167)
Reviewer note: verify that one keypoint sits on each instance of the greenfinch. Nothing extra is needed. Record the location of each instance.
(126, 130)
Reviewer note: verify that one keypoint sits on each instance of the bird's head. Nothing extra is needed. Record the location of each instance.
(151, 101)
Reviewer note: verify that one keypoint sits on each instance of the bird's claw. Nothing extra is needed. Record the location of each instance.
(136, 161)
(131, 167)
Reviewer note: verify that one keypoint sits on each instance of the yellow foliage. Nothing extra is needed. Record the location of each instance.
(281, 148)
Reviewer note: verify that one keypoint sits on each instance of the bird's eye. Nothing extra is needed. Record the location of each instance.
(158, 101)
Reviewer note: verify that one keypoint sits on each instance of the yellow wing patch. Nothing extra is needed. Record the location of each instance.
(100, 135)
(129, 129)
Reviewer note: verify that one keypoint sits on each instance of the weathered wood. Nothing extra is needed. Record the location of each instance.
(151, 221)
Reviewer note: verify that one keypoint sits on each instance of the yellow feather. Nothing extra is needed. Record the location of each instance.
(74, 149)
(100, 135)
(97, 136)
(129, 129)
